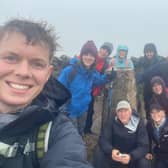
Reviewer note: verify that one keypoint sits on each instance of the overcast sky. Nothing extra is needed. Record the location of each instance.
(130, 22)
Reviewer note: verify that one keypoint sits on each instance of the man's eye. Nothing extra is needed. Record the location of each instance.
(10, 59)
(39, 65)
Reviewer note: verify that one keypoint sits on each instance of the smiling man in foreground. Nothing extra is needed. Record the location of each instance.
(33, 133)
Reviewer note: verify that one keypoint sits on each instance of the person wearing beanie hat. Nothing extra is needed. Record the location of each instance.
(88, 54)
(156, 107)
(160, 93)
(106, 49)
(157, 129)
(89, 48)
(123, 140)
(102, 64)
(80, 78)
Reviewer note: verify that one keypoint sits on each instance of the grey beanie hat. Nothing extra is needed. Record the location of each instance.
(108, 46)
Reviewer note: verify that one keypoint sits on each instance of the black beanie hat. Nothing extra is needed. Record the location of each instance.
(159, 80)
(108, 46)
(156, 107)
(89, 48)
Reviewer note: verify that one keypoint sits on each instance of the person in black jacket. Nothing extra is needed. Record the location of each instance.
(124, 140)
(160, 93)
(143, 64)
(30, 100)
(158, 135)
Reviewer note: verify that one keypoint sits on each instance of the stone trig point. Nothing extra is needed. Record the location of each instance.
(122, 88)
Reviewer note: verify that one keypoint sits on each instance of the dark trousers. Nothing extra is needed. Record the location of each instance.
(89, 120)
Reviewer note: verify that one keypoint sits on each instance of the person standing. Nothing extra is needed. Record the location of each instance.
(79, 78)
(102, 63)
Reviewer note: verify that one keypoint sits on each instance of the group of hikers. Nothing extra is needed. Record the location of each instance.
(43, 119)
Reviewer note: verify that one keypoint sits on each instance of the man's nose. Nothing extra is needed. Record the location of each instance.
(23, 69)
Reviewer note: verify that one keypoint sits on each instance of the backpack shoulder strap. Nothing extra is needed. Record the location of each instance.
(43, 139)
(72, 74)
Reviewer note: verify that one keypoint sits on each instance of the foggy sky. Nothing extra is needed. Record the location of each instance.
(130, 22)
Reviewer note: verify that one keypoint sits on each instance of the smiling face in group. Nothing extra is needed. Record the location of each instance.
(124, 115)
(122, 54)
(88, 60)
(149, 54)
(24, 70)
(157, 116)
(157, 88)
(103, 53)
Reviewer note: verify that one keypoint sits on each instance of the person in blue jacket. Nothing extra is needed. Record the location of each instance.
(120, 60)
(79, 78)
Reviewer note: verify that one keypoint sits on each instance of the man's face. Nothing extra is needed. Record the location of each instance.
(88, 60)
(124, 115)
(24, 69)
(157, 116)
(122, 54)
(149, 54)
(157, 88)
(103, 53)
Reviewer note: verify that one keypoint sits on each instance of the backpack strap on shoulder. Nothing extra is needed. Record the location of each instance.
(42, 139)
(72, 73)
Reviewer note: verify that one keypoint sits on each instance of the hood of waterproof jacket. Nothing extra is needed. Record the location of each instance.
(121, 48)
(150, 47)
(54, 91)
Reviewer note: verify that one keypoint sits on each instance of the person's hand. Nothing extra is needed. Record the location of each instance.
(125, 158)
(115, 155)
(111, 75)
(109, 69)
(149, 156)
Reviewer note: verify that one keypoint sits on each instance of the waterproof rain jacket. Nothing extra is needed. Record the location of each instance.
(159, 147)
(65, 147)
(116, 136)
(80, 87)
